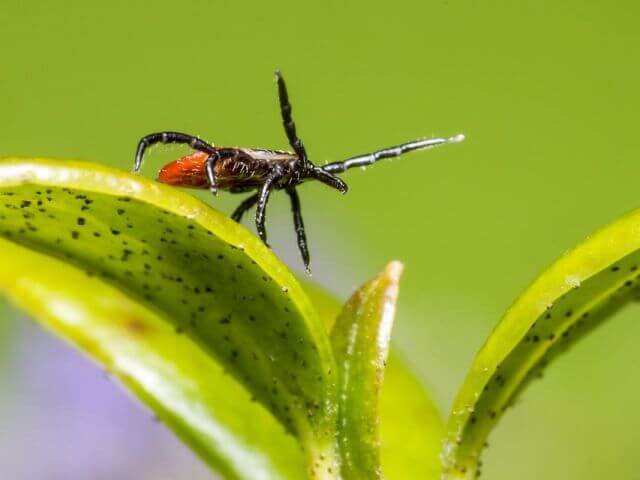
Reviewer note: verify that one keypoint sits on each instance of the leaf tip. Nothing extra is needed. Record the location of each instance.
(394, 270)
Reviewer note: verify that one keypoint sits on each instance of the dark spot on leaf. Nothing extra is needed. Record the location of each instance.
(136, 326)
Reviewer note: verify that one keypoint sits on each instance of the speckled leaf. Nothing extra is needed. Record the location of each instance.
(208, 277)
(187, 390)
(411, 427)
(581, 290)
(360, 339)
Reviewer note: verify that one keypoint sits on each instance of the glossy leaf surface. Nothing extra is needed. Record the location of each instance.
(187, 390)
(201, 273)
(360, 339)
(411, 427)
(581, 290)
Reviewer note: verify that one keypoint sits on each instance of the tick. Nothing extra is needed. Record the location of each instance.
(240, 170)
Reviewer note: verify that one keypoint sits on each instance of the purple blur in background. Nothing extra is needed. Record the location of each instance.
(62, 418)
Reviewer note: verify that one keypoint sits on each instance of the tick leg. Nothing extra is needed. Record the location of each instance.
(246, 204)
(299, 226)
(287, 120)
(263, 198)
(210, 168)
(169, 137)
(390, 152)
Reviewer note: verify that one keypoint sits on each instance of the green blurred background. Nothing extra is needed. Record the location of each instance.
(546, 93)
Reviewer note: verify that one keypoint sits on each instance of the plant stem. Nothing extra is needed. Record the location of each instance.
(323, 462)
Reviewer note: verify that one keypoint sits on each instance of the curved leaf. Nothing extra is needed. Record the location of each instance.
(360, 339)
(194, 268)
(184, 386)
(579, 291)
(411, 427)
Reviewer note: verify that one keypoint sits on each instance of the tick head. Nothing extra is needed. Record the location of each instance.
(329, 179)
(188, 171)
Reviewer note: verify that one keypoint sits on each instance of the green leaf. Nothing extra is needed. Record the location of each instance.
(182, 384)
(360, 339)
(578, 292)
(195, 269)
(411, 427)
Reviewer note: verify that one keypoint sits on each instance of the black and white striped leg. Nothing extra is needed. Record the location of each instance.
(169, 137)
(299, 226)
(210, 169)
(263, 198)
(390, 152)
(287, 119)
(246, 204)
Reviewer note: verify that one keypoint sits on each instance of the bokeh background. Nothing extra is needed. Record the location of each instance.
(546, 92)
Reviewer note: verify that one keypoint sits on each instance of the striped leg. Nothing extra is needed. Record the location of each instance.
(169, 137)
(299, 226)
(246, 204)
(390, 152)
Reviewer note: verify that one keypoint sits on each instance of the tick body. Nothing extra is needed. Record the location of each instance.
(239, 170)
